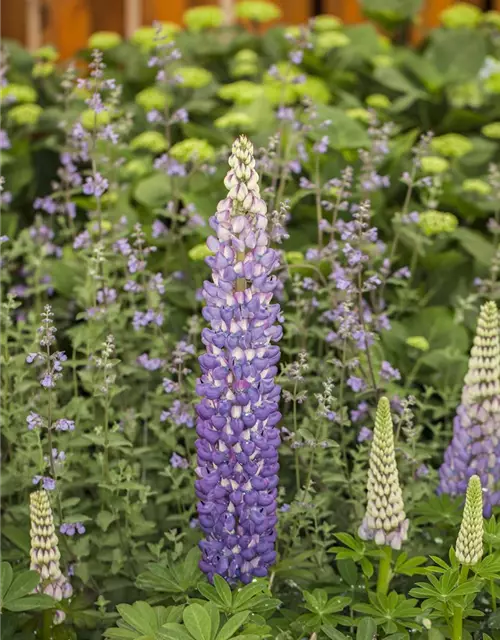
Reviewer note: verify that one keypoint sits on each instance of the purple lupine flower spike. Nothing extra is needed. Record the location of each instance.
(238, 412)
(475, 447)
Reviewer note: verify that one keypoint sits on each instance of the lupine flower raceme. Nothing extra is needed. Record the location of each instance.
(238, 412)
(45, 553)
(469, 547)
(475, 446)
(385, 520)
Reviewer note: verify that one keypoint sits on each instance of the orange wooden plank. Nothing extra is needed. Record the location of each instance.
(164, 10)
(106, 16)
(13, 20)
(295, 11)
(68, 25)
(348, 10)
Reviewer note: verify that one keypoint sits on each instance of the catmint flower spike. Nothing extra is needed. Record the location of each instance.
(469, 547)
(475, 446)
(385, 520)
(238, 411)
(45, 550)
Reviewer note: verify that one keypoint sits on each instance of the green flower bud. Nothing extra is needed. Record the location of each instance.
(358, 113)
(385, 520)
(314, 88)
(48, 53)
(434, 165)
(146, 38)
(244, 70)
(461, 15)
(492, 84)
(378, 101)
(452, 145)
(294, 257)
(152, 141)
(235, 120)
(193, 150)
(466, 94)
(152, 98)
(43, 69)
(200, 18)
(137, 167)
(476, 185)
(491, 130)
(194, 77)
(258, 11)
(25, 114)
(242, 92)
(382, 61)
(384, 42)
(19, 93)
(293, 32)
(199, 252)
(246, 56)
(278, 94)
(326, 23)
(104, 40)
(90, 119)
(328, 40)
(482, 380)
(418, 342)
(469, 547)
(434, 222)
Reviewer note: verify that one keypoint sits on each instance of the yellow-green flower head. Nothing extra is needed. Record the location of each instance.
(44, 554)
(384, 42)
(258, 11)
(382, 61)
(90, 119)
(200, 18)
(466, 94)
(244, 70)
(492, 84)
(43, 69)
(314, 88)
(104, 40)
(247, 56)
(293, 32)
(199, 252)
(236, 120)
(193, 150)
(326, 22)
(294, 257)
(194, 77)
(433, 222)
(19, 93)
(477, 186)
(146, 38)
(358, 113)
(278, 94)
(378, 101)
(137, 167)
(469, 547)
(385, 519)
(25, 114)
(152, 98)
(241, 92)
(418, 342)
(492, 18)
(461, 15)
(152, 141)
(328, 40)
(452, 145)
(48, 53)
(434, 165)
(482, 380)
(491, 130)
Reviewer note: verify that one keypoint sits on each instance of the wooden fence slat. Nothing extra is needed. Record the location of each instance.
(33, 24)
(164, 10)
(295, 12)
(69, 25)
(106, 16)
(348, 10)
(133, 16)
(13, 20)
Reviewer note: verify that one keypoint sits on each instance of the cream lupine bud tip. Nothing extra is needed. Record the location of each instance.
(44, 553)
(469, 547)
(482, 380)
(385, 520)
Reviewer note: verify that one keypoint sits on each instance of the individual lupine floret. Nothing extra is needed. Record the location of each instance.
(238, 411)
(385, 519)
(469, 547)
(44, 549)
(475, 446)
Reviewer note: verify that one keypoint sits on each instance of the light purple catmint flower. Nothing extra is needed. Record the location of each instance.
(178, 462)
(95, 185)
(238, 411)
(151, 364)
(296, 56)
(34, 421)
(422, 471)
(49, 484)
(180, 414)
(158, 229)
(321, 146)
(388, 372)
(356, 384)
(475, 446)
(63, 424)
(82, 240)
(4, 140)
(360, 412)
(169, 386)
(365, 434)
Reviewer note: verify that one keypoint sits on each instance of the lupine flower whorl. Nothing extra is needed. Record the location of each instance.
(475, 446)
(385, 519)
(238, 411)
(469, 547)
(44, 548)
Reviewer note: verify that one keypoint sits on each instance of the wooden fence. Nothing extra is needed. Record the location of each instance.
(68, 23)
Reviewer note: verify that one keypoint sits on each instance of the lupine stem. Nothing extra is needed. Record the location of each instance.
(457, 622)
(384, 571)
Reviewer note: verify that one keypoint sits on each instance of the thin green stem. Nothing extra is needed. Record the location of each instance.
(384, 571)
(457, 621)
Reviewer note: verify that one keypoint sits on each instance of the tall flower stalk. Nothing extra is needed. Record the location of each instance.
(238, 411)
(475, 447)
